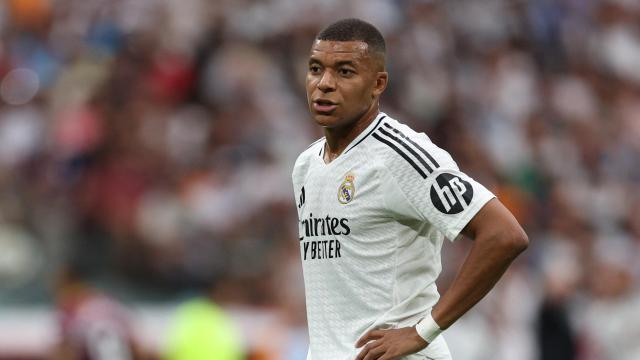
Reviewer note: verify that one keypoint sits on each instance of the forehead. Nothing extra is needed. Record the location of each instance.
(352, 50)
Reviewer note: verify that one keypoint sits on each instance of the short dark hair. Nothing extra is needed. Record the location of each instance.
(354, 30)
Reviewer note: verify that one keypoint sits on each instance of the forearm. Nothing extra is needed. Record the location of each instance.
(488, 259)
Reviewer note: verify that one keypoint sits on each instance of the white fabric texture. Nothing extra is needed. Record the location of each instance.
(372, 224)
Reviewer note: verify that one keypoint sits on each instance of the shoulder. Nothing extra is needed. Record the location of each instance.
(305, 158)
(406, 152)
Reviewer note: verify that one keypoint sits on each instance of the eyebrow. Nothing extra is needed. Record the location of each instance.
(338, 63)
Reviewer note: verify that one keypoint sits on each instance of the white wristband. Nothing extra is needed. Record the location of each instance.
(428, 329)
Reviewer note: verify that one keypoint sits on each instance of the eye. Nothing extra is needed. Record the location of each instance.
(314, 69)
(345, 72)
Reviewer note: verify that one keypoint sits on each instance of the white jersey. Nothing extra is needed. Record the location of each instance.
(371, 226)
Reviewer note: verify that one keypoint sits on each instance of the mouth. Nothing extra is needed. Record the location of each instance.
(324, 106)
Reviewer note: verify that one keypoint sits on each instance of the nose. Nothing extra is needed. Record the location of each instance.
(327, 82)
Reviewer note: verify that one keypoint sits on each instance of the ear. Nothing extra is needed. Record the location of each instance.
(382, 79)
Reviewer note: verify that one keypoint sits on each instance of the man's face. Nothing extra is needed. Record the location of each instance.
(343, 81)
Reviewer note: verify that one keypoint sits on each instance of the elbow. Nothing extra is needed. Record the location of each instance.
(521, 242)
(515, 242)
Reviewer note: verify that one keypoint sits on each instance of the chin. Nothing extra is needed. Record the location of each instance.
(326, 120)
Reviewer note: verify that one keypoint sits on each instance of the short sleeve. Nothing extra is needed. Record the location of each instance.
(438, 193)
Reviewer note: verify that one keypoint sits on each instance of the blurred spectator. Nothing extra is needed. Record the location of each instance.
(557, 338)
(93, 326)
(157, 137)
(202, 330)
(612, 315)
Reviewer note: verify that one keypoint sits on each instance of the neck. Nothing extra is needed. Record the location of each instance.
(339, 138)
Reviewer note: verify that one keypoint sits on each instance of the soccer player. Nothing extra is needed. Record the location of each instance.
(375, 201)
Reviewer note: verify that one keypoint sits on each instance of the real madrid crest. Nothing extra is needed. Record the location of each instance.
(347, 189)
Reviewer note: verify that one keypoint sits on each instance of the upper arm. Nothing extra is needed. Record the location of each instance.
(445, 197)
(494, 219)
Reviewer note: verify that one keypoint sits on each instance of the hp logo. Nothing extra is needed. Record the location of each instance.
(450, 194)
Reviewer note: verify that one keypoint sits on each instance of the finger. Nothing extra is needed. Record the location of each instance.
(367, 348)
(391, 353)
(375, 353)
(370, 346)
(371, 335)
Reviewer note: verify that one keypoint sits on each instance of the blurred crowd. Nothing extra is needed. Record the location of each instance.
(152, 141)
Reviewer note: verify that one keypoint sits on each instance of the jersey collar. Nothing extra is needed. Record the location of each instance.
(366, 132)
